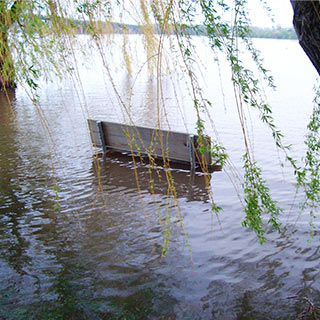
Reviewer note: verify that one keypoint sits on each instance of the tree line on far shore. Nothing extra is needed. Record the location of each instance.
(256, 32)
(273, 33)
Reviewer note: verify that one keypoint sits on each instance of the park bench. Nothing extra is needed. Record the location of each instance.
(181, 149)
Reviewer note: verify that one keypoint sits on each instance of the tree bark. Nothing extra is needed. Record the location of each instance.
(306, 21)
(7, 70)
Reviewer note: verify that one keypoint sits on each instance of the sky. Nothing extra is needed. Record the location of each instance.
(281, 10)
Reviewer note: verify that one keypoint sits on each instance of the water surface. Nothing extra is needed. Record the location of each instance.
(99, 257)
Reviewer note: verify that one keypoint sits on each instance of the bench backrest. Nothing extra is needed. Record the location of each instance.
(179, 147)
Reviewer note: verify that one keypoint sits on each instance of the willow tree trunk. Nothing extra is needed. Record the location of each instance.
(7, 73)
(306, 22)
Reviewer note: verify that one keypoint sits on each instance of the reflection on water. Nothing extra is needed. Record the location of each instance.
(99, 257)
(121, 172)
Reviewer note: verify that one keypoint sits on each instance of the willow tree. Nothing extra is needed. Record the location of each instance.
(37, 37)
(7, 17)
(32, 40)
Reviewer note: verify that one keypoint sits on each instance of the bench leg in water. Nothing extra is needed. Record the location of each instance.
(104, 147)
(192, 154)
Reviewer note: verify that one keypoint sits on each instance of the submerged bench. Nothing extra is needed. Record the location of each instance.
(179, 148)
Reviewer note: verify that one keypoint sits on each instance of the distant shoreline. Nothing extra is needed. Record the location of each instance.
(274, 33)
(255, 32)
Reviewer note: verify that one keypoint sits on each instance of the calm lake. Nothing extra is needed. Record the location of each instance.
(99, 256)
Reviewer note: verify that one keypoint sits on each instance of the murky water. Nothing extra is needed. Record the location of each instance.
(99, 257)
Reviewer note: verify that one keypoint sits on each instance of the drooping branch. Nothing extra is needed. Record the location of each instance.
(306, 22)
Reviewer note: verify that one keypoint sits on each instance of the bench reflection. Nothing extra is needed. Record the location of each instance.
(120, 170)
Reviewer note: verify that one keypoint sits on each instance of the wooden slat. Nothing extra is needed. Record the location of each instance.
(93, 125)
(145, 140)
(94, 133)
(173, 145)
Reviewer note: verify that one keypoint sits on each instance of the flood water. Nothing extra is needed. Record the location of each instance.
(99, 256)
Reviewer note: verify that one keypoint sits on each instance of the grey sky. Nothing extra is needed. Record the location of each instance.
(281, 10)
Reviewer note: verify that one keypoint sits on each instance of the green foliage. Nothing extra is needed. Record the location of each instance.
(225, 37)
(219, 154)
(258, 201)
(308, 177)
